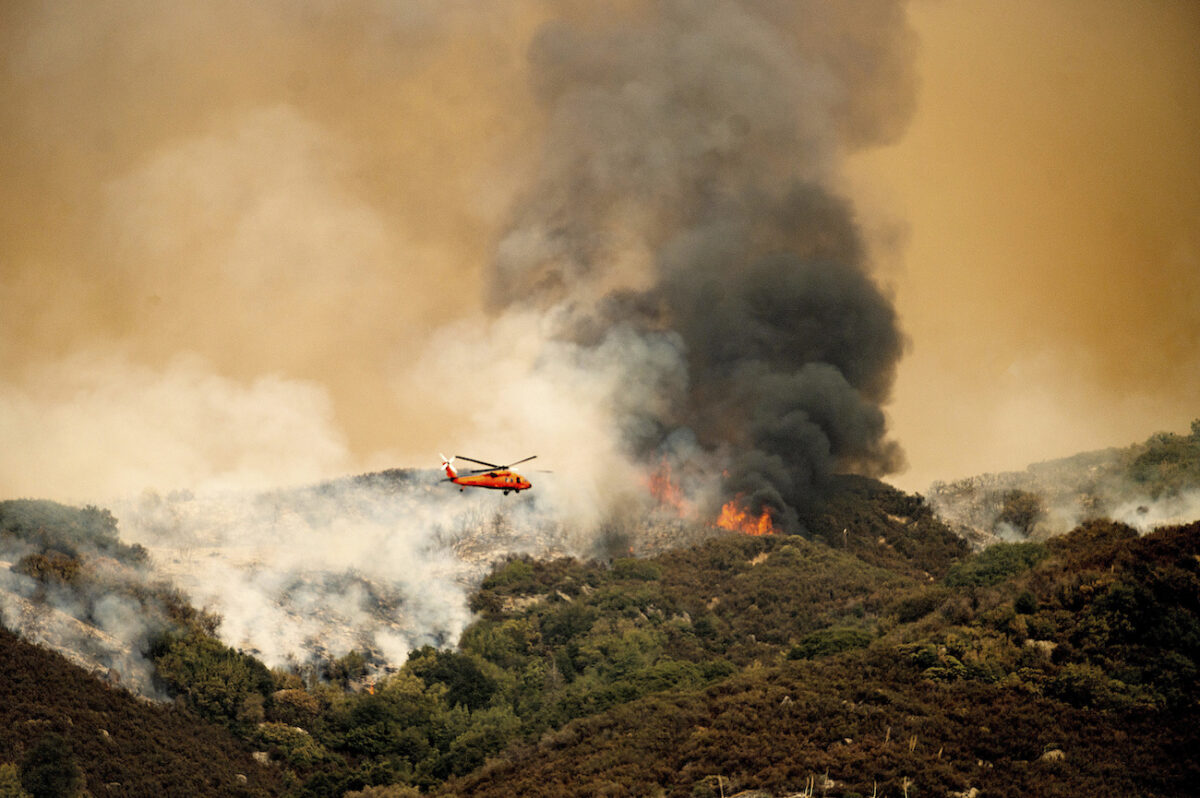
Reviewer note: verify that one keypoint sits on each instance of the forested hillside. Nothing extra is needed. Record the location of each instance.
(60, 726)
(873, 655)
(1060, 669)
(1148, 484)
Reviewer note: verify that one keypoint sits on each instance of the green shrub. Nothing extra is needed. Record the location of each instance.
(465, 682)
(995, 564)
(49, 769)
(915, 606)
(53, 566)
(1026, 603)
(217, 682)
(295, 745)
(635, 569)
(1021, 511)
(10, 782)
(566, 622)
(516, 572)
(831, 641)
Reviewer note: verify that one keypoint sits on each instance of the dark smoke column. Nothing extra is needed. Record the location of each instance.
(682, 202)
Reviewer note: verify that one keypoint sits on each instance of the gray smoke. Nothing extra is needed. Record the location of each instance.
(684, 198)
(278, 212)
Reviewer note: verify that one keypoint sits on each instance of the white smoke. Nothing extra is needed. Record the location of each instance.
(95, 425)
(93, 621)
(1066, 493)
(190, 462)
(517, 392)
(1147, 514)
(279, 231)
(382, 564)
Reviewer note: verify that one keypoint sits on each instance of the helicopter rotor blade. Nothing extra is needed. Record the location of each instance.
(526, 460)
(490, 466)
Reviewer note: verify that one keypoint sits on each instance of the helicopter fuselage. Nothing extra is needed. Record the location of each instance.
(503, 479)
(492, 476)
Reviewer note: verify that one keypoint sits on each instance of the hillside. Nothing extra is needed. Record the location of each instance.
(121, 745)
(68, 582)
(1148, 484)
(873, 655)
(1060, 669)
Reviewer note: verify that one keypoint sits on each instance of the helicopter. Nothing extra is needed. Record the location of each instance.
(495, 477)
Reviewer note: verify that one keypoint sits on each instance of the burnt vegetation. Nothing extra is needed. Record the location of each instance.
(872, 655)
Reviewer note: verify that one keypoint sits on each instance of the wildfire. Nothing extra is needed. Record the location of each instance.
(666, 491)
(735, 518)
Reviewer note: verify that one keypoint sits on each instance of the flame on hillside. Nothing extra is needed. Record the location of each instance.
(666, 491)
(737, 518)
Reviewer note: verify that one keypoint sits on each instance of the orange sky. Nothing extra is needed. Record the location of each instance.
(262, 223)
(1047, 203)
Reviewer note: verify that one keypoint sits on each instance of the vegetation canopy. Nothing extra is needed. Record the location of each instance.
(873, 655)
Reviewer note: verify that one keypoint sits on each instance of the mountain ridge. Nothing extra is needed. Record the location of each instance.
(1152, 483)
(877, 653)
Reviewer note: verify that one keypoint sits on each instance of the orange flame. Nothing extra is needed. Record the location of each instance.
(735, 518)
(665, 490)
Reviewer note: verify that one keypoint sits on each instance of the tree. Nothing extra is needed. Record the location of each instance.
(10, 782)
(1021, 510)
(465, 683)
(216, 679)
(49, 769)
(352, 667)
(996, 563)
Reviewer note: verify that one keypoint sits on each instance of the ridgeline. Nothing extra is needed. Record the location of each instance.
(876, 655)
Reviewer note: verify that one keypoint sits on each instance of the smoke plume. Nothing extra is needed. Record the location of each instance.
(291, 242)
(682, 205)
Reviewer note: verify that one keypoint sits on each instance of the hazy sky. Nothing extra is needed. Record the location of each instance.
(241, 242)
(1047, 207)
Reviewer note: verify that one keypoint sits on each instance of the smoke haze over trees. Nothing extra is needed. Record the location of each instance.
(878, 654)
(668, 240)
(282, 219)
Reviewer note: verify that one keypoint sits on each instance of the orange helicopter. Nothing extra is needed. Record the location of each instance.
(495, 477)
